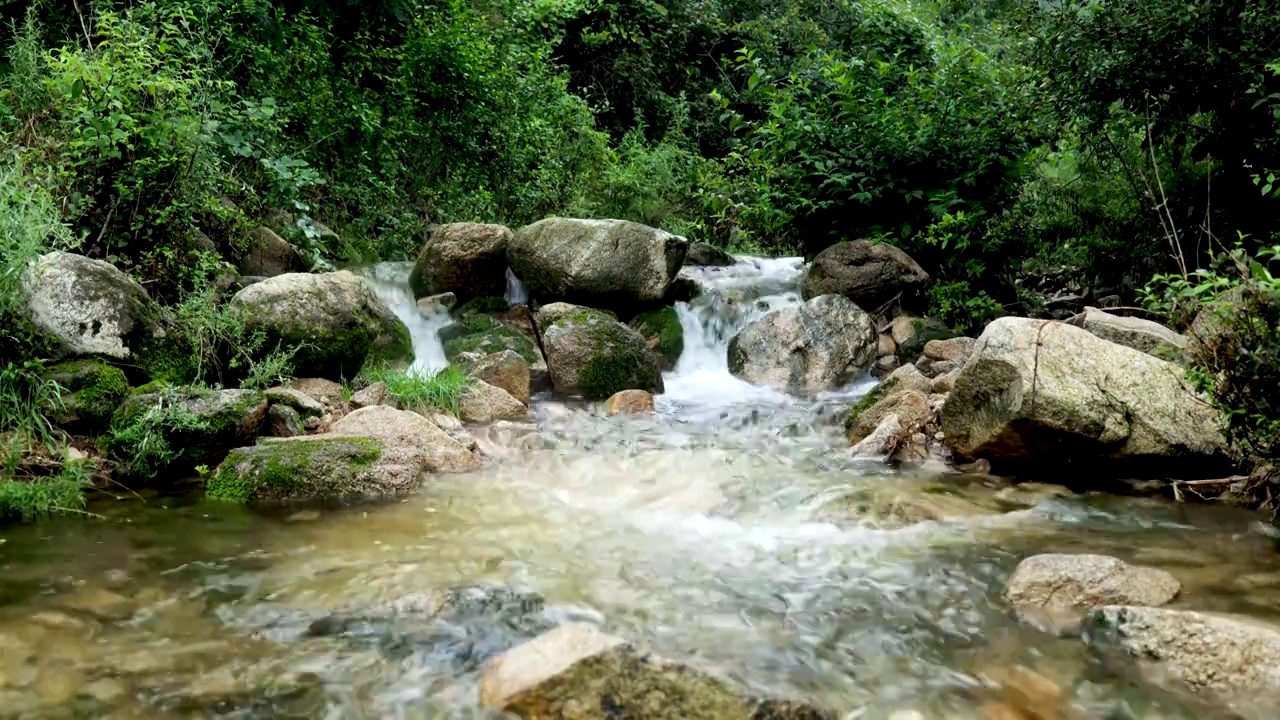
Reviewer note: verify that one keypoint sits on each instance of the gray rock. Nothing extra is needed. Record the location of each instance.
(270, 255)
(375, 394)
(591, 353)
(1221, 656)
(910, 407)
(218, 420)
(704, 254)
(870, 274)
(1082, 582)
(1142, 335)
(883, 440)
(88, 307)
(1040, 395)
(421, 440)
(956, 350)
(907, 377)
(610, 264)
(820, 345)
(284, 422)
(483, 403)
(334, 320)
(505, 369)
(305, 395)
(466, 259)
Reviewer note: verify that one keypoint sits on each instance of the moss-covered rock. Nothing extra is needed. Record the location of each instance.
(335, 322)
(485, 335)
(92, 392)
(179, 428)
(662, 330)
(591, 353)
(921, 332)
(467, 259)
(314, 468)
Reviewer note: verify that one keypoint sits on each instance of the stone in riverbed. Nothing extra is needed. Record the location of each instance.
(820, 345)
(307, 395)
(662, 330)
(577, 671)
(284, 422)
(212, 421)
(429, 445)
(489, 334)
(1221, 656)
(375, 394)
(1142, 335)
(1080, 582)
(467, 259)
(505, 369)
(909, 406)
(1039, 395)
(868, 273)
(704, 254)
(484, 403)
(956, 350)
(610, 264)
(629, 402)
(91, 392)
(591, 353)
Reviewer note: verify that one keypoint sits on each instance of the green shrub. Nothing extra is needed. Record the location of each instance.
(142, 435)
(440, 392)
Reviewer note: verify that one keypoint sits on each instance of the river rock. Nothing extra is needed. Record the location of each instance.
(868, 273)
(484, 403)
(334, 321)
(1142, 335)
(907, 377)
(883, 440)
(284, 422)
(910, 407)
(945, 382)
(611, 264)
(661, 328)
(91, 393)
(505, 369)
(956, 350)
(1040, 395)
(916, 333)
(467, 259)
(886, 347)
(577, 671)
(707, 255)
(1218, 655)
(213, 421)
(591, 353)
(436, 450)
(489, 334)
(88, 307)
(269, 255)
(307, 395)
(1077, 583)
(629, 402)
(820, 345)
(368, 396)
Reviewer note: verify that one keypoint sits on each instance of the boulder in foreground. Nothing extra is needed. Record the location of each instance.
(820, 345)
(1040, 396)
(575, 671)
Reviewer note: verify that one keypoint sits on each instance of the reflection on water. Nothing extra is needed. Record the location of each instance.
(731, 530)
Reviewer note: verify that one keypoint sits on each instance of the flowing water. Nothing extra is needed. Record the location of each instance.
(731, 530)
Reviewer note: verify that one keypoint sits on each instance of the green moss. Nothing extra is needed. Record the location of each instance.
(481, 306)
(294, 470)
(178, 427)
(483, 334)
(168, 360)
(662, 329)
(93, 392)
(863, 405)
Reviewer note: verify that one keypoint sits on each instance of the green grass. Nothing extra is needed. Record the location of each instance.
(30, 499)
(139, 434)
(442, 391)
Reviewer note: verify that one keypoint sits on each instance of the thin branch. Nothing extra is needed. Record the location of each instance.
(83, 26)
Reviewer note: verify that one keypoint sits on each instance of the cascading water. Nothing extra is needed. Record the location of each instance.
(390, 280)
(517, 294)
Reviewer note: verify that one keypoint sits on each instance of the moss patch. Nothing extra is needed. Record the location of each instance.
(662, 330)
(619, 359)
(481, 306)
(318, 469)
(863, 405)
(180, 427)
(483, 334)
(93, 392)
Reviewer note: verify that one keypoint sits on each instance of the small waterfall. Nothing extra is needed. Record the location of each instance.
(390, 280)
(517, 293)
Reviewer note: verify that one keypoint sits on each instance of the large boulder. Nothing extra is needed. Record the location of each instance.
(1040, 396)
(870, 274)
(1142, 335)
(820, 345)
(591, 353)
(1220, 656)
(88, 307)
(484, 403)
(333, 321)
(576, 671)
(1064, 583)
(269, 255)
(466, 259)
(178, 428)
(612, 264)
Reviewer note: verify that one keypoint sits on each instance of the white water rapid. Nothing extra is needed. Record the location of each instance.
(390, 281)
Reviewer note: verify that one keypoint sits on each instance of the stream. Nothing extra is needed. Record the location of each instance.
(732, 530)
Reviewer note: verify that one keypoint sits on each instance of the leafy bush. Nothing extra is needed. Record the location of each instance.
(440, 392)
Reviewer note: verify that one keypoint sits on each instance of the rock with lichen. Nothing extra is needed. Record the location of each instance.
(466, 259)
(820, 345)
(590, 353)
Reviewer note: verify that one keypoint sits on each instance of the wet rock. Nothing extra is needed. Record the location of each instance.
(335, 321)
(629, 402)
(217, 421)
(956, 350)
(591, 353)
(306, 395)
(1142, 335)
(1040, 394)
(577, 671)
(942, 367)
(610, 264)
(1081, 582)
(661, 329)
(98, 603)
(467, 259)
(820, 345)
(870, 274)
(506, 370)
(1029, 494)
(910, 407)
(882, 441)
(1218, 655)
(707, 255)
(54, 620)
(88, 307)
(418, 437)
(489, 334)
(284, 422)
(907, 377)
(1023, 694)
(916, 333)
(438, 304)
(91, 393)
(375, 394)
(887, 364)
(269, 255)
(483, 403)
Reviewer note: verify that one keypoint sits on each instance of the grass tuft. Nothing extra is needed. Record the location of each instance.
(442, 391)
